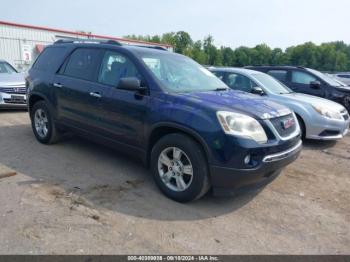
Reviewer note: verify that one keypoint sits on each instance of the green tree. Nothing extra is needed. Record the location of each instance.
(183, 41)
(228, 56)
(261, 54)
(243, 56)
(214, 56)
(169, 38)
(198, 53)
(333, 56)
(278, 57)
(303, 55)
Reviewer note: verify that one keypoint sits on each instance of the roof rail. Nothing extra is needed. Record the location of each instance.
(151, 46)
(87, 41)
(274, 65)
(109, 42)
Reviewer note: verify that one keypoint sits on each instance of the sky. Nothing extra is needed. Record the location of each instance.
(277, 23)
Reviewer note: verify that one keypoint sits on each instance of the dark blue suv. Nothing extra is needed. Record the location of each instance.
(188, 126)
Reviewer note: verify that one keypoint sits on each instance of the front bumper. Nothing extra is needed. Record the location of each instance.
(331, 130)
(13, 100)
(227, 180)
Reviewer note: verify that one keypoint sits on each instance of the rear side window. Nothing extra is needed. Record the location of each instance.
(49, 59)
(83, 64)
(280, 75)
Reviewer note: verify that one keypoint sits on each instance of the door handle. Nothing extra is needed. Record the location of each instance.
(95, 94)
(58, 85)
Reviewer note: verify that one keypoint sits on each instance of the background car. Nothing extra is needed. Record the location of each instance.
(318, 118)
(12, 87)
(308, 81)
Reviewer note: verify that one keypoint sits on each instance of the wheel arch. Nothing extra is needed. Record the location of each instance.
(35, 97)
(302, 121)
(162, 129)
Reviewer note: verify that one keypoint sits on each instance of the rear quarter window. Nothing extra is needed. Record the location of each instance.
(50, 59)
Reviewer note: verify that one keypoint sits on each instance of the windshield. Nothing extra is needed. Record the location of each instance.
(181, 74)
(324, 77)
(271, 84)
(5, 68)
(340, 82)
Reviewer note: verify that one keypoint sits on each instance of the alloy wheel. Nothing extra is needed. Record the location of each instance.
(41, 123)
(175, 169)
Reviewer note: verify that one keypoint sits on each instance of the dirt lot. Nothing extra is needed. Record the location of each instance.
(78, 197)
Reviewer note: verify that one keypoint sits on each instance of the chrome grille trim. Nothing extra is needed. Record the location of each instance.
(275, 132)
(14, 90)
(284, 154)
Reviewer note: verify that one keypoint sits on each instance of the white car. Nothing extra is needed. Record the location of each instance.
(13, 92)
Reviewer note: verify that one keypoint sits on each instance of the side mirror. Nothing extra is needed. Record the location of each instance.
(315, 84)
(130, 83)
(257, 91)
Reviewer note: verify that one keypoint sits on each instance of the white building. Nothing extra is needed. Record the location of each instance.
(21, 44)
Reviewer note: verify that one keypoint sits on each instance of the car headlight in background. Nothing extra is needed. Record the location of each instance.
(327, 112)
(241, 125)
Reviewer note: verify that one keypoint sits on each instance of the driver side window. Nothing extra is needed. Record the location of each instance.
(240, 82)
(299, 77)
(116, 66)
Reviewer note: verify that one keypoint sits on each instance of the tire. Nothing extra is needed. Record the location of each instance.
(51, 135)
(191, 155)
(302, 127)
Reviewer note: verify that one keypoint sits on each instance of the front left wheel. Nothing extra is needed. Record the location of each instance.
(179, 168)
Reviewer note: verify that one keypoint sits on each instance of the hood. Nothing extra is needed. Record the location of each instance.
(343, 88)
(309, 99)
(17, 79)
(237, 101)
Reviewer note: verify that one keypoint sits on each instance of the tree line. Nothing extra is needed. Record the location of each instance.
(330, 57)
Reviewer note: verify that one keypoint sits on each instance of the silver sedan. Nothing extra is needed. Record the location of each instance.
(318, 118)
(12, 87)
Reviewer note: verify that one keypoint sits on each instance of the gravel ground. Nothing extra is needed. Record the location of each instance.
(77, 197)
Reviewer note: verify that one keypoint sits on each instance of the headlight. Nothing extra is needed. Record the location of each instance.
(327, 112)
(241, 125)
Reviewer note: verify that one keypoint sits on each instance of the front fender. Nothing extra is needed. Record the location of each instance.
(196, 120)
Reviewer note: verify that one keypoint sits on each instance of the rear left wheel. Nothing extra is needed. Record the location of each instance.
(43, 125)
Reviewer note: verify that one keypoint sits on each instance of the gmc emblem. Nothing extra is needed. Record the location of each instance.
(288, 123)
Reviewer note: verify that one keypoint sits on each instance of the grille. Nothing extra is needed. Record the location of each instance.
(14, 101)
(13, 90)
(278, 124)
